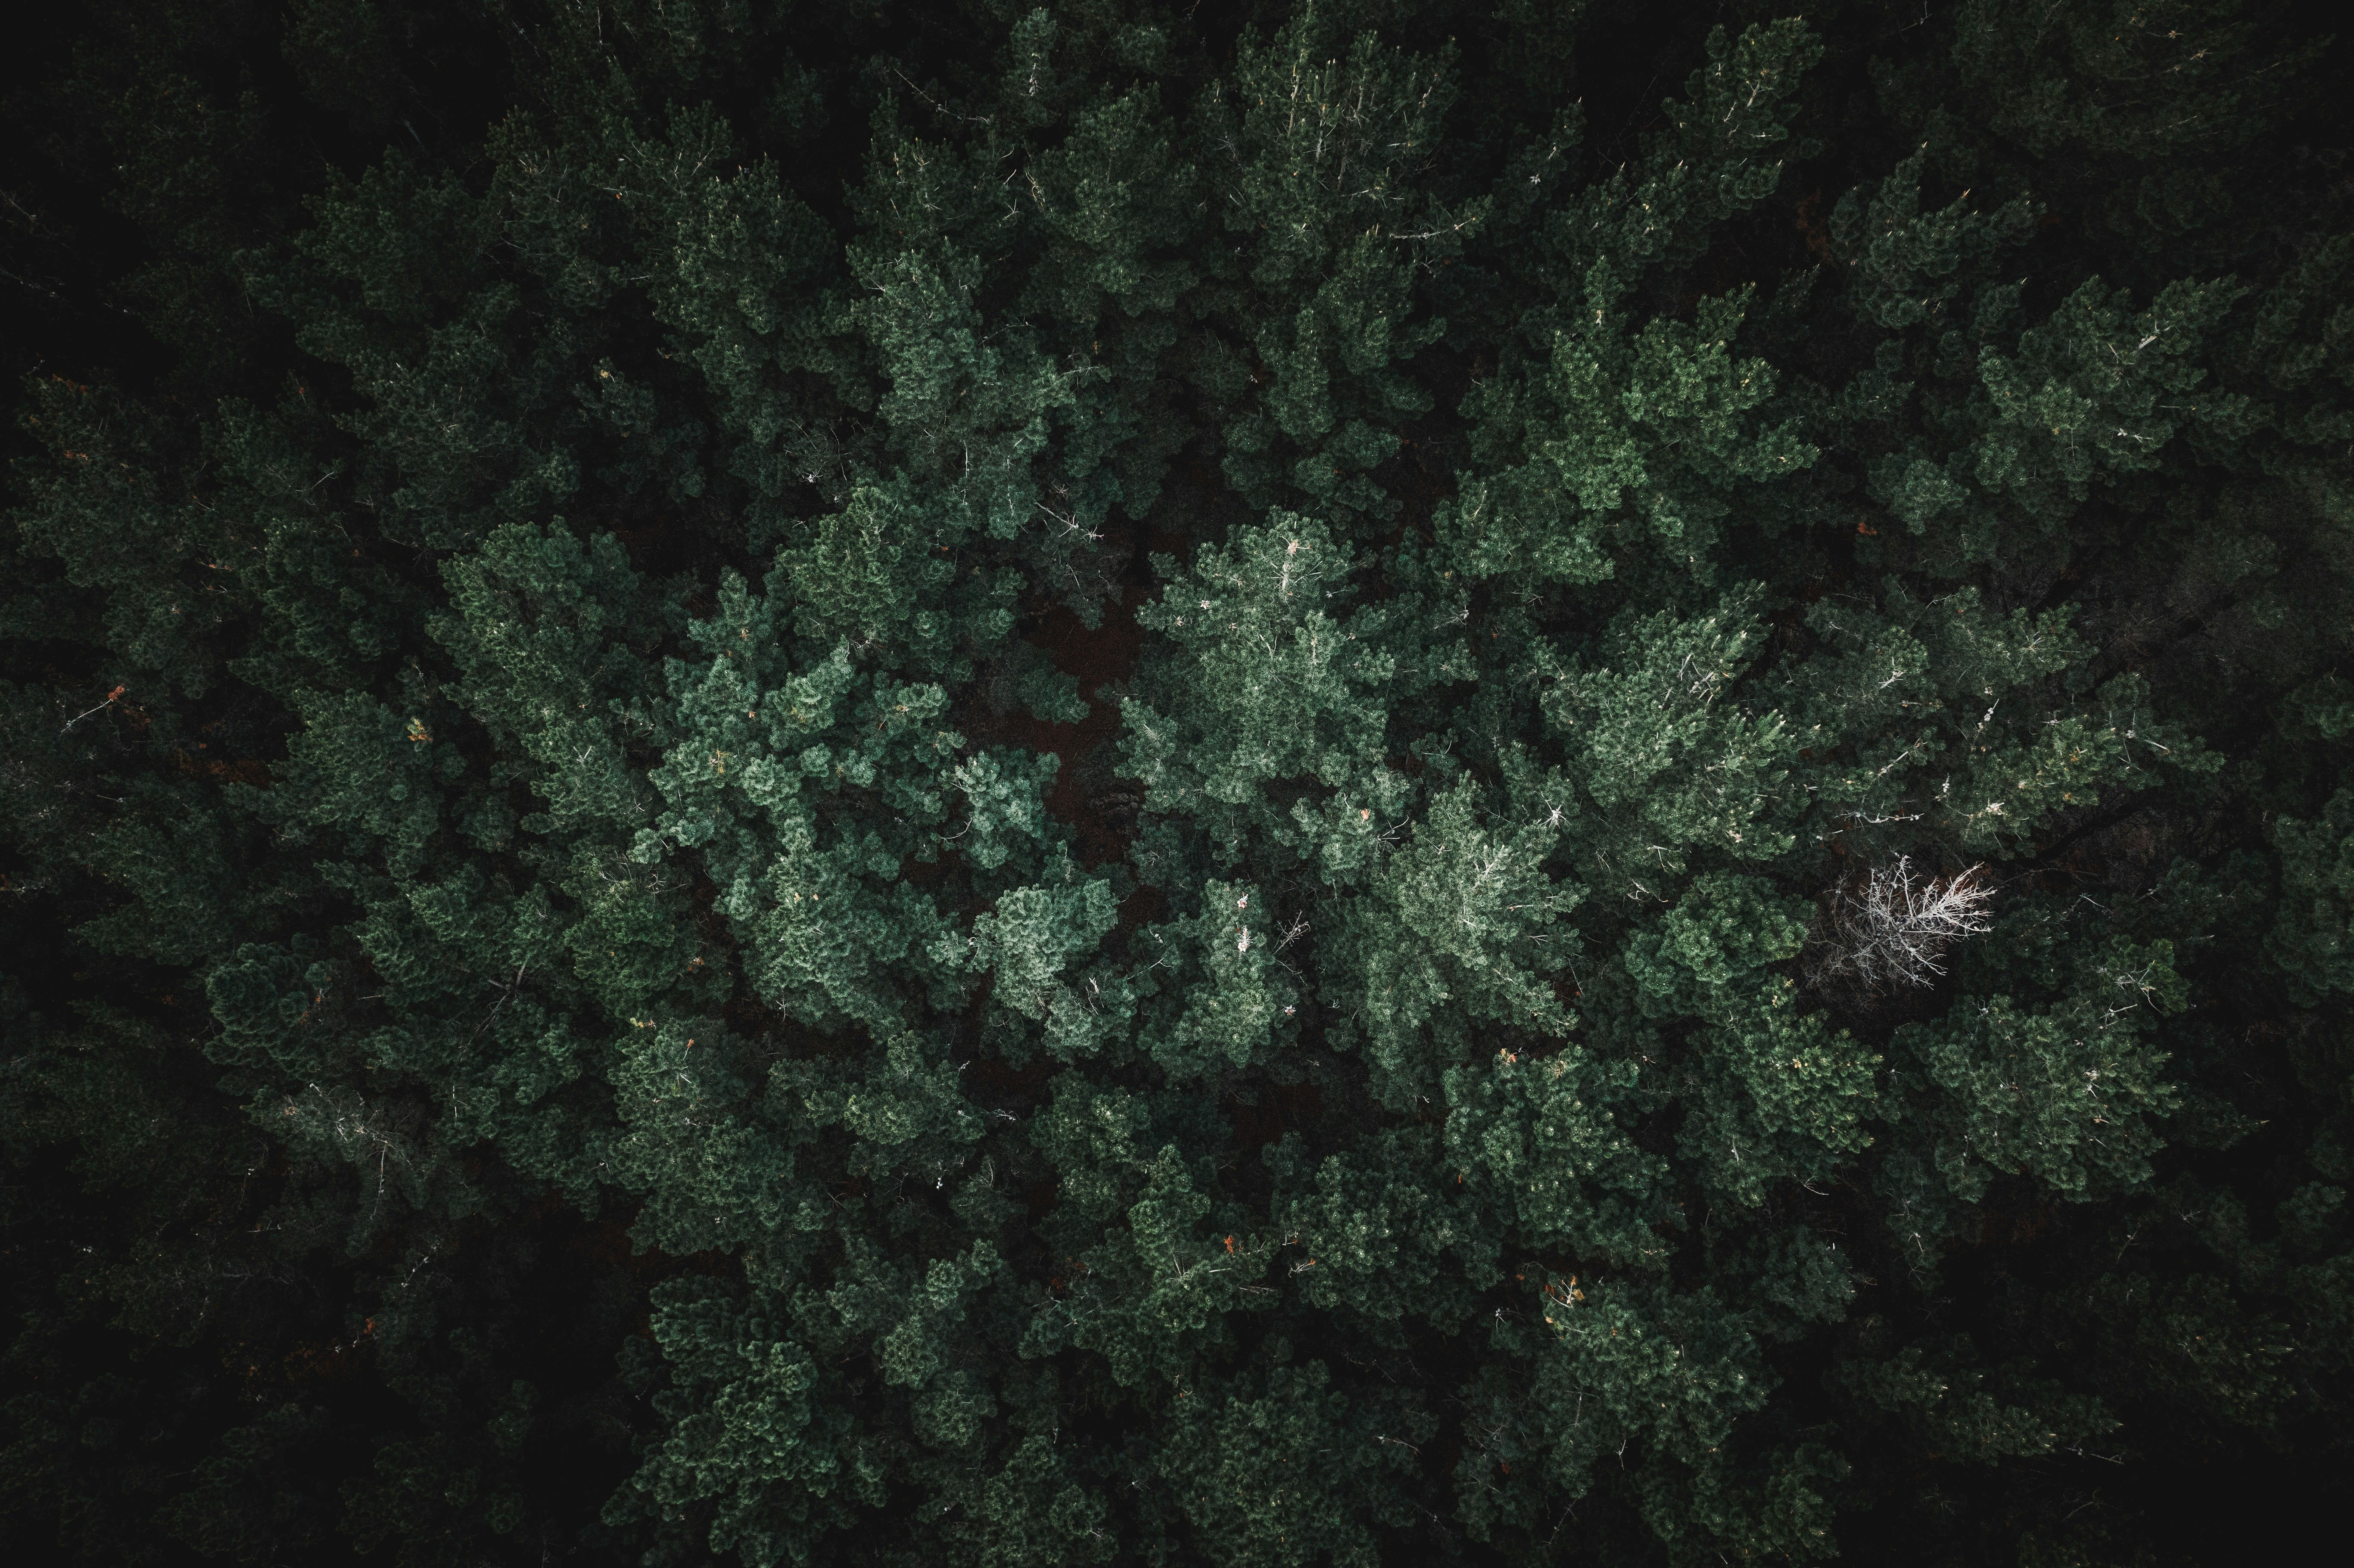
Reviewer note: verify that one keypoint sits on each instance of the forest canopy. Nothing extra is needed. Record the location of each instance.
(1251, 784)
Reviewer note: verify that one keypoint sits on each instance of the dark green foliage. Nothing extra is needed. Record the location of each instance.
(1251, 784)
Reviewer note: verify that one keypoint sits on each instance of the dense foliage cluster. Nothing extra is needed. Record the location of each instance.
(1057, 782)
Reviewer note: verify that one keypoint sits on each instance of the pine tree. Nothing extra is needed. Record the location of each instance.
(1257, 785)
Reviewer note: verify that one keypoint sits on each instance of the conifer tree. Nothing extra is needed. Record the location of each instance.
(1270, 784)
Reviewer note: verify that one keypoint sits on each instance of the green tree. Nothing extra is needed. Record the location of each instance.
(1276, 784)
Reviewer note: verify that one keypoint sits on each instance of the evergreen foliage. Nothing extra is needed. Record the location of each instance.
(1281, 782)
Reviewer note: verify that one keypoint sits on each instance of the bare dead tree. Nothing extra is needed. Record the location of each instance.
(1891, 928)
